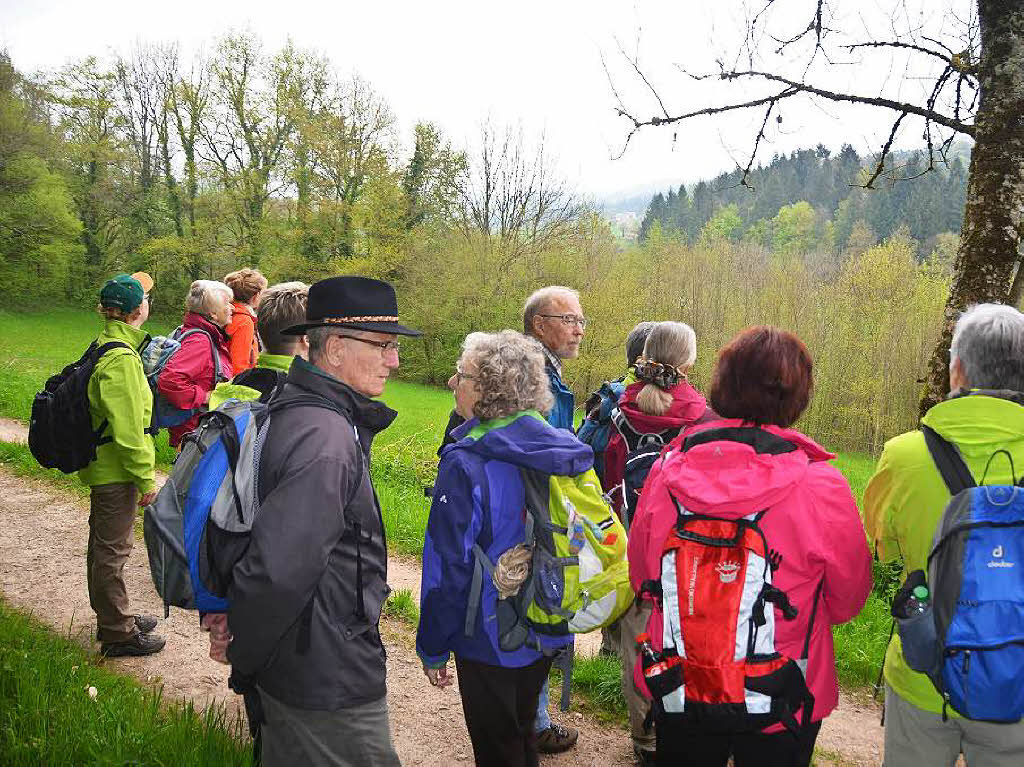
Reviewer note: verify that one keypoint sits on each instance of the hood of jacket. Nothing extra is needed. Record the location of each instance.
(979, 421)
(688, 405)
(525, 439)
(730, 479)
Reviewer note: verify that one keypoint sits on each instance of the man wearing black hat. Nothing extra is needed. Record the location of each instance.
(307, 595)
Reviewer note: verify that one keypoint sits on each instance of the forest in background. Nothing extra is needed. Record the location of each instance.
(273, 159)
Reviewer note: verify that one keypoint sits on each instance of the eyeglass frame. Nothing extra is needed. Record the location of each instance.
(460, 376)
(384, 346)
(568, 319)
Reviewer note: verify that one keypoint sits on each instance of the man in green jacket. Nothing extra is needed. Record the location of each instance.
(121, 477)
(902, 506)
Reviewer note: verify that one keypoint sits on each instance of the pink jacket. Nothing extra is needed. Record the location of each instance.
(811, 520)
(187, 380)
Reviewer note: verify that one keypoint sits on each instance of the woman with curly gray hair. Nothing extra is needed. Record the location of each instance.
(501, 389)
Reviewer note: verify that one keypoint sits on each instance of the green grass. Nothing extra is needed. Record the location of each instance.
(47, 716)
(401, 606)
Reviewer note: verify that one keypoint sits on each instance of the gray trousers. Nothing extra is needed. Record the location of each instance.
(916, 738)
(359, 736)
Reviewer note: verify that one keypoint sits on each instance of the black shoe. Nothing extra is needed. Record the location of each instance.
(145, 623)
(556, 739)
(138, 644)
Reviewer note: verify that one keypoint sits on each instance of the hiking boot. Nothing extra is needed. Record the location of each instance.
(138, 644)
(556, 739)
(145, 623)
(644, 757)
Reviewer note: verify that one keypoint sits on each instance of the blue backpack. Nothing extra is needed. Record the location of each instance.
(198, 526)
(597, 424)
(155, 357)
(969, 639)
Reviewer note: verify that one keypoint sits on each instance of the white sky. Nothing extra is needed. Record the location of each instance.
(528, 62)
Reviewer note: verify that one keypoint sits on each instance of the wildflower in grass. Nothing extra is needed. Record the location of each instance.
(93, 692)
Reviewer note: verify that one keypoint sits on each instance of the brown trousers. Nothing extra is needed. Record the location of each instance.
(112, 511)
(624, 632)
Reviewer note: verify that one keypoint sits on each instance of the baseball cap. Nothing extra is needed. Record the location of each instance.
(123, 292)
(144, 280)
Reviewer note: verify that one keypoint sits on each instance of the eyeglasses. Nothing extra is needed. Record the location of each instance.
(568, 319)
(384, 346)
(459, 376)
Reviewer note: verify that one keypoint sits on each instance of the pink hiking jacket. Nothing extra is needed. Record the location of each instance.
(811, 520)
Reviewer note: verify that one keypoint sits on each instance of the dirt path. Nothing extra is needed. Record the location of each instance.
(43, 536)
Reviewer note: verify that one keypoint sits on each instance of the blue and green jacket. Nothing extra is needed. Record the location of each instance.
(479, 498)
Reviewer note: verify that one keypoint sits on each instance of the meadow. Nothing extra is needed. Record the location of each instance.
(35, 345)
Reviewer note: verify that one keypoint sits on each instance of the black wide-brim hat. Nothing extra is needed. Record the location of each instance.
(356, 303)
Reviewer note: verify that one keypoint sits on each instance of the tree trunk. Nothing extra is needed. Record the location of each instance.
(992, 229)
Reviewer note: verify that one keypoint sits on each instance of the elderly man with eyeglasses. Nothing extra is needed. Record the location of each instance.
(302, 629)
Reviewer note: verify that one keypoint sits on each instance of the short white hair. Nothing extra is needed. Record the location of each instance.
(509, 374)
(989, 342)
(541, 299)
(204, 296)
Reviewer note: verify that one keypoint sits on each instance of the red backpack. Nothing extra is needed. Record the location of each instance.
(719, 670)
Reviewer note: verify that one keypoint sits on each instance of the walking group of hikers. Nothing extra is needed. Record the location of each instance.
(712, 543)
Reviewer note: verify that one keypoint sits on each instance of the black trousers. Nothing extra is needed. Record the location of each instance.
(500, 705)
(778, 749)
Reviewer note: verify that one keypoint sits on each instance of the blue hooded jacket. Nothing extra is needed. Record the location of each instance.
(479, 498)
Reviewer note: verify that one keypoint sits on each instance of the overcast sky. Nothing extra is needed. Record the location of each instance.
(537, 64)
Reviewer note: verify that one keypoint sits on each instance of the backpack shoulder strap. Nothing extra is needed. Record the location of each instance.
(947, 460)
(622, 426)
(99, 351)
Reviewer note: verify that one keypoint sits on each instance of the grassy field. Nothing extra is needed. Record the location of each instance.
(33, 346)
(57, 707)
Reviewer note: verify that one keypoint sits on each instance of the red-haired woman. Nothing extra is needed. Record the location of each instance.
(696, 550)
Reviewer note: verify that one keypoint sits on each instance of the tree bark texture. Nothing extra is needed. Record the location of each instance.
(994, 213)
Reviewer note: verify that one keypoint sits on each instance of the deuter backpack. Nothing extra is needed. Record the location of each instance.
(578, 577)
(970, 638)
(198, 526)
(597, 422)
(155, 358)
(642, 451)
(60, 432)
(719, 670)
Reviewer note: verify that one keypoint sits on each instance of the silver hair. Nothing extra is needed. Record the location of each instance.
(508, 372)
(989, 342)
(317, 339)
(204, 296)
(540, 300)
(670, 343)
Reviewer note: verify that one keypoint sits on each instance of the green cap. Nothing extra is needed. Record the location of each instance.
(920, 592)
(123, 292)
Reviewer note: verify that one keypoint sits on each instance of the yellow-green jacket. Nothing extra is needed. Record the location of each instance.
(906, 497)
(119, 393)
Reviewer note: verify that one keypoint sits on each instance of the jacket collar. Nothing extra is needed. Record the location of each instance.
(200, 321)
(115, 330)
(552, 361)
(274, 361)
(366, 413)
(1007, 394)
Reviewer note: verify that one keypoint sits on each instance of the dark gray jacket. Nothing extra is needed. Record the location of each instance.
(301, 631)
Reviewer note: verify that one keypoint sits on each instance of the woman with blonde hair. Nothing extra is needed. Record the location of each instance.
(191, 373)
(247, 286)
(650, 413)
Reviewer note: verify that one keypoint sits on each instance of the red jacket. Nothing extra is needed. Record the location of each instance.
(244, 347)
(811, 520)
(688, 407)
(189, 376)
